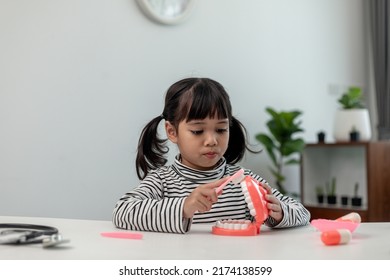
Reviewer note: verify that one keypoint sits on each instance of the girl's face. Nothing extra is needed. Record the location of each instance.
(202, 143)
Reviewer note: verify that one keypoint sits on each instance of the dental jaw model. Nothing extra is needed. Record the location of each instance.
(255, 199)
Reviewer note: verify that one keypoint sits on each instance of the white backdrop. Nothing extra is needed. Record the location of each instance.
(80, 78)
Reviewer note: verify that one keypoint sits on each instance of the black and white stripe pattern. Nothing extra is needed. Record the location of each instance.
(157, 203)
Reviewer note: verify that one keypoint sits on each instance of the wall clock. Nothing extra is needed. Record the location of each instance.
(166, 11)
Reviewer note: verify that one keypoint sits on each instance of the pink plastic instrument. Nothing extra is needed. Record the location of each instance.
(350, 222)
(236, 178)
(255, 199)
(122, 234)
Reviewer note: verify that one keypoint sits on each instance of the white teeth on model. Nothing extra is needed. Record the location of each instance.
(249, 202)
(248, 199)
(233, 224)
(240, 224)
(244, 226)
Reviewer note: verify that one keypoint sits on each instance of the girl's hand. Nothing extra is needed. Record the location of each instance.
(202, 198)
(273, 205)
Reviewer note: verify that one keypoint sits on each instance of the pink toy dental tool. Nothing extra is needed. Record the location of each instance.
(350, 222)
(255, 199)
(336, 237)
(236, 178)
(351, 217)
(338, 231)
(122, 234)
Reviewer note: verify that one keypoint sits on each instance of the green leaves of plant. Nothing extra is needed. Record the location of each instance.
(280, 144)
(292, 146)
(269, 145)
(352, 99)
(283, 126)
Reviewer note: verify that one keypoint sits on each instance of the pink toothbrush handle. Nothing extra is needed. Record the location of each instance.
(239, 175)
(120, 234)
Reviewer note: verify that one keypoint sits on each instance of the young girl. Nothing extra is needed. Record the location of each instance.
(198, 119)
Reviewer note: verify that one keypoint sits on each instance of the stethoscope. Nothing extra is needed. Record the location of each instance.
(23, 234)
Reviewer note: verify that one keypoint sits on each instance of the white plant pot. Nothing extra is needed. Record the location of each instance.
(347, 119)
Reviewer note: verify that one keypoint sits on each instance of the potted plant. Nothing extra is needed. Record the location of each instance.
(354, 135)
(280, 143)
(320, 194)
(356, 200)
(352, 115)
(331, 192)
(321, 137)
(344, 200)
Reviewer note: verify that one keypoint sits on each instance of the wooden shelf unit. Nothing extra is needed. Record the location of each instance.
(366, 163)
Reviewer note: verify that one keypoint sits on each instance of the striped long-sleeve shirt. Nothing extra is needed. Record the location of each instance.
(157, 203)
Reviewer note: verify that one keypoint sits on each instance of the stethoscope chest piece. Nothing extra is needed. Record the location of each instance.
(53, 240)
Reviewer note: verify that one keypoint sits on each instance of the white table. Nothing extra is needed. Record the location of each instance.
(371, 241)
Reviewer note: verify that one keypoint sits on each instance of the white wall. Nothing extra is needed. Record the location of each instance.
(80, 78)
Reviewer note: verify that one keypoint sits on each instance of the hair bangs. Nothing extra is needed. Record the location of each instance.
(207, 102)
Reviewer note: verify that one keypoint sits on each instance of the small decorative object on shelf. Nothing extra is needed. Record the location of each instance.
(356, 200)
(320, 194)
(344, 200)
(331, 192)
(321, 137)
(354, 135)
(352, 114)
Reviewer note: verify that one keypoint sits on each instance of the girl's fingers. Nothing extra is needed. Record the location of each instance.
(204, 204)
(215, 184)
(203, 197)
(267, 188)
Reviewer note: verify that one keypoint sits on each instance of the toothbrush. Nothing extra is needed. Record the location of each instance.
(236, 178)
(122, 234)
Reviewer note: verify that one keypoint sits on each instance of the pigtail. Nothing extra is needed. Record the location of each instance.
(151, 149)
(238, 142)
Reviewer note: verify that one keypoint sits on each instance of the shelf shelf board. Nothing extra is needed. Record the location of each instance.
(337, 206)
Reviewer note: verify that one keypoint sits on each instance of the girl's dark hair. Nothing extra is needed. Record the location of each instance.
(190, 99)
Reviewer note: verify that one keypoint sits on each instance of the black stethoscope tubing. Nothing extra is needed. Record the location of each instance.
(32, 231)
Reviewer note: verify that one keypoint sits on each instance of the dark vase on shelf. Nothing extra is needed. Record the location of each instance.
(354, 136)
(344, 200)
(331, 199)
(320, 198)
(356, 201)
(321, 137)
